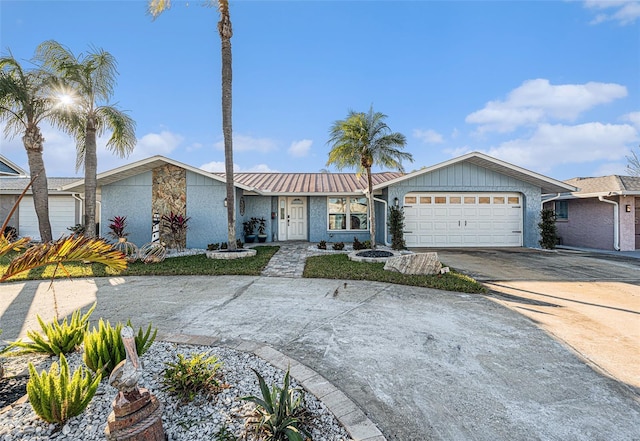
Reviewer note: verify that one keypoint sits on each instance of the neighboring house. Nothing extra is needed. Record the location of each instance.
(603, 213)
(473, 200)
(64, 206)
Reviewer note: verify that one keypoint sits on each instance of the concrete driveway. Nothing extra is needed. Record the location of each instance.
(589, 301)
(422, 364)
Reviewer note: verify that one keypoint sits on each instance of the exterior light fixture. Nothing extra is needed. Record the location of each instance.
(225, 202)
(627, 208)
(396, 202)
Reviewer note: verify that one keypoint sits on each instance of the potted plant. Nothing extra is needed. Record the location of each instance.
(248, 227)
(262, 227)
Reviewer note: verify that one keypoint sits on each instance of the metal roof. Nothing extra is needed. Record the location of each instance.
(310, 183)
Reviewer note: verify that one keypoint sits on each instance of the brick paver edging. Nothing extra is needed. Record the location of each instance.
(354, 420)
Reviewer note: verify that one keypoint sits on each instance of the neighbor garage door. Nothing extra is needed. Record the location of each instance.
(61, 216)
(463, 219)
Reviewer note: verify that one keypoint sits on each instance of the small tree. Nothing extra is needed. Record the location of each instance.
(633, 166)
(548, 230)
(396, 227)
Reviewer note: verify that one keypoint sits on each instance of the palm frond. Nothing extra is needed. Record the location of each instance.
(64, 250)
(157, 7)
(6, 245)
(123, 128)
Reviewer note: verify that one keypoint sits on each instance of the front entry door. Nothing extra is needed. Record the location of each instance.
(293, 222)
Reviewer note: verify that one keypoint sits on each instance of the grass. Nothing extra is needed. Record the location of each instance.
(338, 266)
(198, 265)
(331, 266)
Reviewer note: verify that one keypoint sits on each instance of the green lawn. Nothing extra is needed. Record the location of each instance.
(331, 266)
(175, 266)
(338, 266)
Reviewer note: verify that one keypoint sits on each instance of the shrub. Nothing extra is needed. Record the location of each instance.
(322, 245)
(239, 244)
(56, 396)
(366, 244)
(117, 226)
(213, 246)
(175, 225)
(357, 245)
(396, 228)
(280, 410)
(103, 347)
(338, 246)
(224, 245)
(77, 229)
(56, 338)
(548, 230)
(189, 376)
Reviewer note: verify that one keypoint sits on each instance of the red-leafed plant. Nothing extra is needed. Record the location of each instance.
(117, 226)
(176, 227)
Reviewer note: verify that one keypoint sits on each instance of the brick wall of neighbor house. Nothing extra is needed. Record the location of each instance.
(205, 207)
(589, 224)
(129, 197)
(471, 178)
(627, 223)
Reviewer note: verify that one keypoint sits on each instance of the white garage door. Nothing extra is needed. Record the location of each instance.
(463, 219)
(62, 214)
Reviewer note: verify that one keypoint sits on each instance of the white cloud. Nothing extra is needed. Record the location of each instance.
(623, 11)
(553, 145)
(633, 118)
(216, 167)
(244, 143)
(300, 149)
(151, 144)
(538, 101)
(428, 136)
(611, 168)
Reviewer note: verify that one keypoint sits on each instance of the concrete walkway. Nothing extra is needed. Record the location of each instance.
(289, 260)
(422, 364)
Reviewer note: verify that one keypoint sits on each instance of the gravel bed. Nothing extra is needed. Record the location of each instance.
(199, 420)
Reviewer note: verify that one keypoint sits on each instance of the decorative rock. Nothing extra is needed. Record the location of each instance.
(419, 263)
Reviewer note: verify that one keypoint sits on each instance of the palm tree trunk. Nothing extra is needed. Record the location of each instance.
(33, 142)
(224, 28)
(372, 209)
(90, 180)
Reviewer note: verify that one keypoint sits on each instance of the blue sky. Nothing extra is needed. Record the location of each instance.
(552, 86)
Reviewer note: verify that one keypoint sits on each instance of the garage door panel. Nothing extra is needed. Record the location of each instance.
(487, 219)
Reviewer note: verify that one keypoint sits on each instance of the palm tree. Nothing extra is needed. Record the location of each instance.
(362, 140)
(92, 78)
(24, 104)
(155, 8)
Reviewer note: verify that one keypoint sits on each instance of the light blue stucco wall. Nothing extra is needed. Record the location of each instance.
(319, 224)
(129, 197)
(258, 207)
(465, 177)
(206, 210)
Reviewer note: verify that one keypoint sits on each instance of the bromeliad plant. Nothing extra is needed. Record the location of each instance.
(103, 347)
(57, 396)
(280, 411)
(188, 377)
(56, 338)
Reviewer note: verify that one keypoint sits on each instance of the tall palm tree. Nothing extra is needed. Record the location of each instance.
(24, 104)
(92, 78)
(362, 140)
(155, 8)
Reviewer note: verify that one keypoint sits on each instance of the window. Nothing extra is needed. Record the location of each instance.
(348, 213)
(409, 200)
(425, 199)
(562, 210)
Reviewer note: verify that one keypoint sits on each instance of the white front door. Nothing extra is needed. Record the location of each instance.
(292, 219)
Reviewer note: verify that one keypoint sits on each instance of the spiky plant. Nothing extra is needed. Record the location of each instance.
(56, 338)
(279, 410)
(57, 396)
(103, 347)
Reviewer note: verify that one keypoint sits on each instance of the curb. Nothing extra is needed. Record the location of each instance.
(354, 420)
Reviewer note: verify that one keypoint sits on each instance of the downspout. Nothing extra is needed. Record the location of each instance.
(616, 222)
(386, 215)
(550, 200)
(77, 197)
